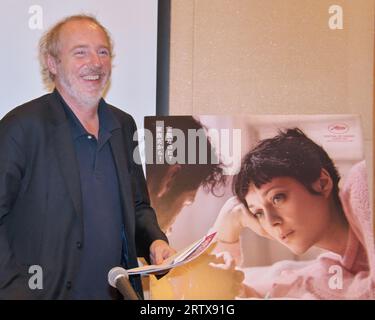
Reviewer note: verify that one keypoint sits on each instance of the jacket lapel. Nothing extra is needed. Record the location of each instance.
(68, 163)
(64, 148)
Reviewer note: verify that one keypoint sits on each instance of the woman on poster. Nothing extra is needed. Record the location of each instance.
(288, 190)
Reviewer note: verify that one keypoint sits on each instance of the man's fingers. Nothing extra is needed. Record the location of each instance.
(158, 257)
(159, 251)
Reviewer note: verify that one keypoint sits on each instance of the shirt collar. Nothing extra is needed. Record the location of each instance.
(107, 121)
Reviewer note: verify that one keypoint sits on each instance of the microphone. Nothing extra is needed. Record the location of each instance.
(118, 278)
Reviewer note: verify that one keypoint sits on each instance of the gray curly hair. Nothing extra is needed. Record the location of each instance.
(49, 44)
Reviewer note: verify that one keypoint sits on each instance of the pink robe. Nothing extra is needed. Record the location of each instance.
(330, 276)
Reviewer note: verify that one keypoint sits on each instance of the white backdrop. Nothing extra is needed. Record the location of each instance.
(132, 24)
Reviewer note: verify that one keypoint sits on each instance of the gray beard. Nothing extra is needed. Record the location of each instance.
(83, 100)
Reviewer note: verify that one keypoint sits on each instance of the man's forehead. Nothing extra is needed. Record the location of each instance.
(80, 23)
(77, 28)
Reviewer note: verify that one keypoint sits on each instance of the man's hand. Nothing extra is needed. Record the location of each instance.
(159, 251)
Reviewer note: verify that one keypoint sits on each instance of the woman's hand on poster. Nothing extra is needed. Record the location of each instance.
(224, 267)
(232, 218)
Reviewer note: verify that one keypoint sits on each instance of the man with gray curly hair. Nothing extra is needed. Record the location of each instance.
(73, 200)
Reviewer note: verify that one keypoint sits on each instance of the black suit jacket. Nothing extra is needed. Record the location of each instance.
(41, 219)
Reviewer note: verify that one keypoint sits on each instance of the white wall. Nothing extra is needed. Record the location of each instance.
(250, 57)
(132, 24)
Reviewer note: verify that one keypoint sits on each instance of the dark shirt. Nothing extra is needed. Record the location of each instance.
(101, 206)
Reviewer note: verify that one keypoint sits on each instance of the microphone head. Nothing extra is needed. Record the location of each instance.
(115, 273)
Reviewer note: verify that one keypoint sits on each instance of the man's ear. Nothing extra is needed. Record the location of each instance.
(167, 180)
(323, 184)
(51, 64)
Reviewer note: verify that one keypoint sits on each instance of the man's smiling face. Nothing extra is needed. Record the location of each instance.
(83, 66)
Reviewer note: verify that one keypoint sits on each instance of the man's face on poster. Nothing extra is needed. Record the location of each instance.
(169, 205)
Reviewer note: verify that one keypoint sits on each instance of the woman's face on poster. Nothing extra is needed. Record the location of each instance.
(290, 213)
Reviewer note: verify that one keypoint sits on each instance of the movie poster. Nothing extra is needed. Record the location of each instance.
(286, 194)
